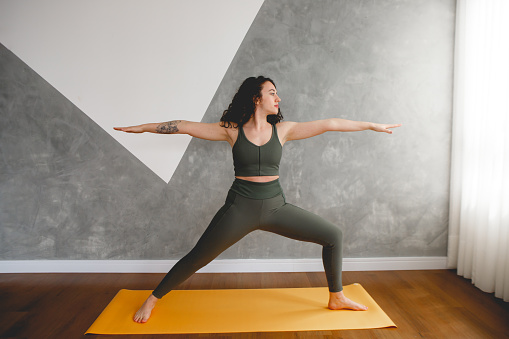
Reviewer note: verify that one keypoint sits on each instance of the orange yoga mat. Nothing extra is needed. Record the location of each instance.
(239, 310)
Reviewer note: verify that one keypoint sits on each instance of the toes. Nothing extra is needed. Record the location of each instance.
(141, 318)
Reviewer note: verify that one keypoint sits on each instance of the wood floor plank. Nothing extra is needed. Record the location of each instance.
(424, 304)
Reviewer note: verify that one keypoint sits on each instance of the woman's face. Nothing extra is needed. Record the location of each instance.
(269, 102)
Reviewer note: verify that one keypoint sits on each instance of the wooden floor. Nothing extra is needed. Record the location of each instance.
(423, 304)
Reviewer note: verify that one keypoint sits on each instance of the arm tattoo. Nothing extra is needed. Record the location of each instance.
(169, 127)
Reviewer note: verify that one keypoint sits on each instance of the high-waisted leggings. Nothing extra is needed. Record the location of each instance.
(243, 212)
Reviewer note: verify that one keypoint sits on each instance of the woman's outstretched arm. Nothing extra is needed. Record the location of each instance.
(302, 130)
(200, 130)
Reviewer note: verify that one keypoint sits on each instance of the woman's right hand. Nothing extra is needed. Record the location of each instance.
(131, 129)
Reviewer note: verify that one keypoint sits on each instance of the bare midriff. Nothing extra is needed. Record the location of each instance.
(265, 178)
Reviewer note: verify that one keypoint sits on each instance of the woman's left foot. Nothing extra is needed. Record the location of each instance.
(338, 301)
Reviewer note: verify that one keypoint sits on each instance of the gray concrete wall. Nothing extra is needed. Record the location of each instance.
(69, 191)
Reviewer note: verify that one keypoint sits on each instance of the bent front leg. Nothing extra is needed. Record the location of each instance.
(296, 223)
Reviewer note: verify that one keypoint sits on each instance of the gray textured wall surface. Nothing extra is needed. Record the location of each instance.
(69, 191)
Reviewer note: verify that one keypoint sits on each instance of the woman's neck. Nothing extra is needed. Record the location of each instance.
(258, 121)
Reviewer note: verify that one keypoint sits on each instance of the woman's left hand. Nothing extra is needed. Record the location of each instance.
(384, 127)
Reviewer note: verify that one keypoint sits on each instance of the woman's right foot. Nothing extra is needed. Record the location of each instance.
(143, 314)
(338, 301)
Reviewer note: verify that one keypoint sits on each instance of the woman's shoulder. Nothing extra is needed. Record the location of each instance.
(233, 132)
(285, 123)
(282, 129)
(228, 125)
(284, 126)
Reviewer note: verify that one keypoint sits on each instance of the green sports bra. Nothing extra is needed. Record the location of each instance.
(253, 160)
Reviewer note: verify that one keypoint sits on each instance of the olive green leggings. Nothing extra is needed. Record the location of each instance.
(241, 215)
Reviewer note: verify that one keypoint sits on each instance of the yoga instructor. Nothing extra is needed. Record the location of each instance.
(253, 126)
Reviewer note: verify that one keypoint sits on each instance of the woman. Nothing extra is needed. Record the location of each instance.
(252, 125)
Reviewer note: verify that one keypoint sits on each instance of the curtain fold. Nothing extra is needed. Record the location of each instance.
(479, 209)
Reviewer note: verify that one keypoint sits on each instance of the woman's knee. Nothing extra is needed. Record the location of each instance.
(335, 236)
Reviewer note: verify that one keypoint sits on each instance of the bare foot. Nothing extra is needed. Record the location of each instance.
(338, 301)
(143, 314)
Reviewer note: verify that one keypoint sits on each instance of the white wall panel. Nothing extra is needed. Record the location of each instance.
(129, 62)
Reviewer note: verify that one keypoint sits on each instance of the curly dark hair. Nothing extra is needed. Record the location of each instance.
(243, 105)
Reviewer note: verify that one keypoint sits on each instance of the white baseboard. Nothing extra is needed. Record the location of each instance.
(220, 266)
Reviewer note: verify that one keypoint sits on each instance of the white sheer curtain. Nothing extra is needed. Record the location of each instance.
(479, 213)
